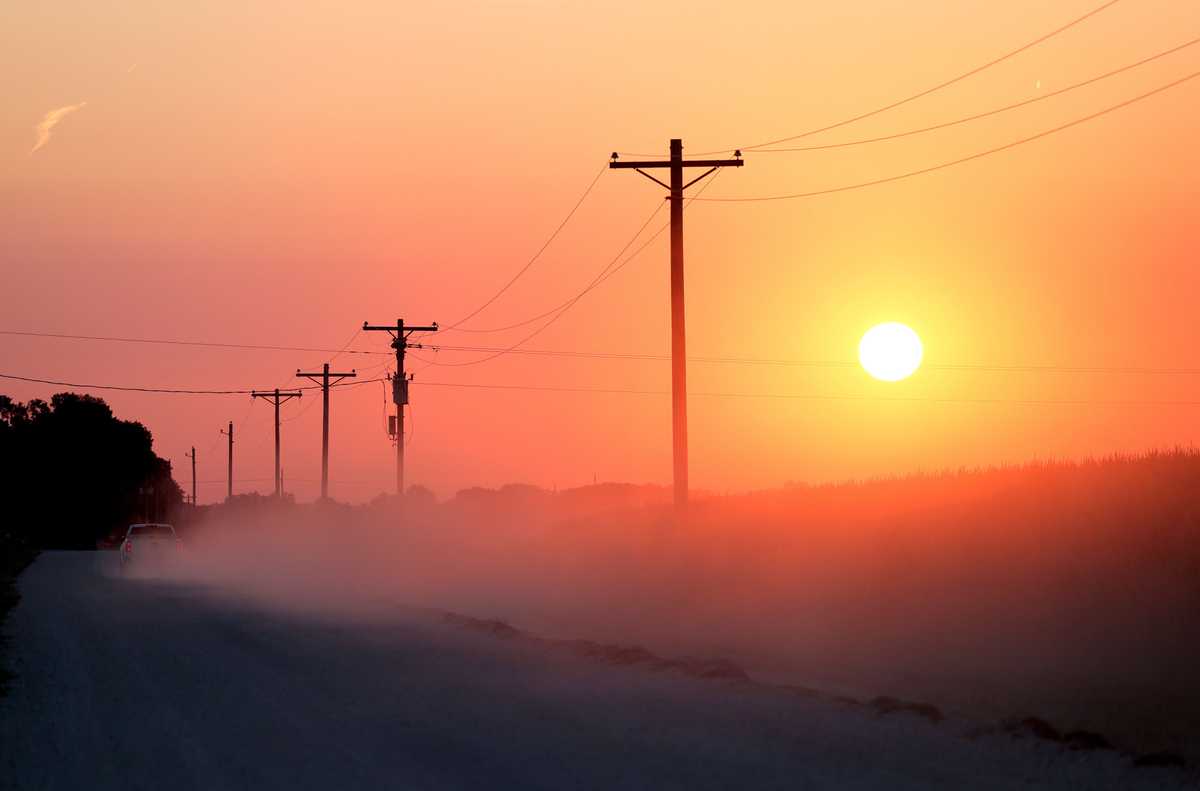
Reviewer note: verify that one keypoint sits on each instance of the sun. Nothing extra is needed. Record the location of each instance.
(890, 351)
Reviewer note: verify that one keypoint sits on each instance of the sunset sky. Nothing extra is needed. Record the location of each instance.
(277, 173)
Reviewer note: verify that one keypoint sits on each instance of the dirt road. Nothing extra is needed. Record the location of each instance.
(135, 683)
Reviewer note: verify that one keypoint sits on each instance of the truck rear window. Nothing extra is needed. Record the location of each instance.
(152, 531)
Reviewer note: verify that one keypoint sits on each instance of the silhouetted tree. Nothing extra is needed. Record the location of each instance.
(71, 472)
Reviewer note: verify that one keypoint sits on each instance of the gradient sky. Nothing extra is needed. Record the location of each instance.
(276, 173)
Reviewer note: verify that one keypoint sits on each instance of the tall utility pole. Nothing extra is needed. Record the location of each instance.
(192, 456)
(323, 380)
(229, 433)
(277, 397)
(676, 164)
(400, 382)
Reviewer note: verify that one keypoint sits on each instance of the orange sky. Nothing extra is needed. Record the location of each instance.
(280, 174)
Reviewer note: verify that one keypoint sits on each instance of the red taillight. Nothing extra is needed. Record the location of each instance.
(127, 547)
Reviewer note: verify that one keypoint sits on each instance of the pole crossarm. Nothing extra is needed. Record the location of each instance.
(276, 394)
(406, 329)
(687, 163)
(318, 378)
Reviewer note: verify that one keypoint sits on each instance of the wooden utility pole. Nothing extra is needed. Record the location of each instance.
(229, 488)
(192, 456)
(277, 397)
(400, 382)
(676, 165)
(323, 380)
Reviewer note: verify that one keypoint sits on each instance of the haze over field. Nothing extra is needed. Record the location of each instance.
(1057, 591)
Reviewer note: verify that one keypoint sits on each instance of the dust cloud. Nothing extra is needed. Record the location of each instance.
(1069, 591)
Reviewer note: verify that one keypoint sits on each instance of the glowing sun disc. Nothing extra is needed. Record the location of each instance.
(890, 351)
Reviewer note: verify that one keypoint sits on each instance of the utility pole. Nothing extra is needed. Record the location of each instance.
(323, 380)
(676, 164)
(192, 456)
(400, 382)
(229, 490)
(277, 397)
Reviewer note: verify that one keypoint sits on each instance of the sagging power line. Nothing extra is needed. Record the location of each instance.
(826, 396)
(723, 394)
(639, 356)
(615, 265)
(915, 96)
(988, 113)
(456, 325)
(173, 342)
(165, 390)
(799, 363)
(961, 160)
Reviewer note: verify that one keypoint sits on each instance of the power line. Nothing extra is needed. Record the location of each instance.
(368, 370)
(608, 271)
(605, 273)
(960, 160)
(573, 299)
(345, 346)
(996, 111)
(819, 396)
(602, 355)
(535, 257)
(705, 394)
(160, 390)
(562, 309)
(824, 363)
(123, 388)
(921, 94)
(172, 342)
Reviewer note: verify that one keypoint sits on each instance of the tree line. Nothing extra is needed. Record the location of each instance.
(71, 473)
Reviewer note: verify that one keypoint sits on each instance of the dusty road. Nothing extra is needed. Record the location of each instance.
(129, 683)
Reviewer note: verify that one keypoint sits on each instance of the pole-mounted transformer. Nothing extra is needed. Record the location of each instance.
(400, 381)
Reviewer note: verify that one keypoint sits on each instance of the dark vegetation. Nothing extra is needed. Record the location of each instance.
(71, 473)
(15, 554)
